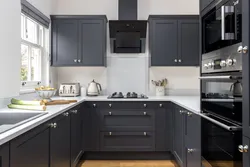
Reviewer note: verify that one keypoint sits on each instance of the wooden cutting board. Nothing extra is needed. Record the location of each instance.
(58, 102)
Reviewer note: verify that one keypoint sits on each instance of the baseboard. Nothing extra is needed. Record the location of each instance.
(128, 156)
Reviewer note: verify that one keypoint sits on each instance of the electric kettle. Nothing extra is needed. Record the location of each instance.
(236, 88)
(94, 88)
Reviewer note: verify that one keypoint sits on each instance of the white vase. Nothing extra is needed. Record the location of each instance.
(160, 90)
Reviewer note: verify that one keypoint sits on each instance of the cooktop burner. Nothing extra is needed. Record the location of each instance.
(129, 95)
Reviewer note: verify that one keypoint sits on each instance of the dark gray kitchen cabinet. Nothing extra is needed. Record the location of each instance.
(75, 135)
(174, 40)
(179, 135)
(31, 149)
(192, 139)
(92, 42)
(127, 141)
(204, 4)
(188, 42)
(4, 155)
(60, 141)
(79, 40)
(163, 42)
(245, 67)
(164, 127)
(64, 42)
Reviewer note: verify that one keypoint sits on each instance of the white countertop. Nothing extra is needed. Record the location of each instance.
(191, 103)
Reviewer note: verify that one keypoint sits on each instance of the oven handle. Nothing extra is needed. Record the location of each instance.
(230, 128)
(224, 10)
(222, 77)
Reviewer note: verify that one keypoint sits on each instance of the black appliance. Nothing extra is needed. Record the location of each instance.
(128, 35)
(221, 25)
(221, 110)
(129, 95)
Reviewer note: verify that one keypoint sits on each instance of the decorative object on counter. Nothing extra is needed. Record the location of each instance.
(27, 105)
(94, 89)
(69, 89)
(46, 92)
(83, 91)
(160, 87)
(236, 88)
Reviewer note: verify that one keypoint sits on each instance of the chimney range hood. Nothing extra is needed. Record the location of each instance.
(128, 35)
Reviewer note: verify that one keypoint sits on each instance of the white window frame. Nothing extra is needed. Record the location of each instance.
(28, 86)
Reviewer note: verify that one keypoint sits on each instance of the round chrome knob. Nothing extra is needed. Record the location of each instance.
(181, 112)
(160, 105)
(75, 60)
(209, 65)
(189, 114)
(229, 62)
(145, 105)
(145, 133)
(110, 133)
(94, 105)
(110, 105)
(241, 148)
(206, 66)
(144, 113)
(110, 113)
(66, 114)
(189, 150)
(53, 125)
(245, 148)
(240, 49)
(245, 50)
(223, 63)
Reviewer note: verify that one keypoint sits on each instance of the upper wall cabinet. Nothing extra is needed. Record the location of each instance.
(174, 40)
(79, 40)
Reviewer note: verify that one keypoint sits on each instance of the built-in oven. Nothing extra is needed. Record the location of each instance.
(221, 25)
(221, 107)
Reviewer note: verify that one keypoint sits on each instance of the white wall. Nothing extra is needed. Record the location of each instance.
(120, 73)
(10, 39)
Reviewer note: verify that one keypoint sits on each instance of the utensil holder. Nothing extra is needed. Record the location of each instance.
(160, 90)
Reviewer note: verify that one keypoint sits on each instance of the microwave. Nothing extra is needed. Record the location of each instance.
(221, 25)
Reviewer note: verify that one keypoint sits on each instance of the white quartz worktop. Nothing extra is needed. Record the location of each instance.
(191, 103)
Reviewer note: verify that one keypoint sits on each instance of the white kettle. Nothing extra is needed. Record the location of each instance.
(94, 89)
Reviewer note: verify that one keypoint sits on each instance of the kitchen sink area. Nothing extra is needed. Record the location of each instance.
(11, 120)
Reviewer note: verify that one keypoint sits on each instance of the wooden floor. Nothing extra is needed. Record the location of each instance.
(128, 163)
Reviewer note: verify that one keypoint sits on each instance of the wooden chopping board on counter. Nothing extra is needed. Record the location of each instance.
(58, 102)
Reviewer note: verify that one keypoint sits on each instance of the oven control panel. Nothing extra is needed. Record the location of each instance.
(224, 60)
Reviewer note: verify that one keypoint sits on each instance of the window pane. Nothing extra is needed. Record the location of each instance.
(31, 34)
(24, 62)
(35, 64)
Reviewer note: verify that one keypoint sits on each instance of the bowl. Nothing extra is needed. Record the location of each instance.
(46, 94)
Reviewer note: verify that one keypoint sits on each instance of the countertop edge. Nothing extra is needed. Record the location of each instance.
(15, 132)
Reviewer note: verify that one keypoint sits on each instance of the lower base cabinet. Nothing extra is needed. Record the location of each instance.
(60, 142)
(4, 155)
(31, 149)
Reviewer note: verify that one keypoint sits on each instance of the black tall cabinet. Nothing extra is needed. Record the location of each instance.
(246, 82)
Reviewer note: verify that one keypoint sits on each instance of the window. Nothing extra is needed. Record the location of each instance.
(32, 52)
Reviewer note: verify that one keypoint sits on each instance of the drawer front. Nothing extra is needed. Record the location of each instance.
(127, 120)
(127, 141)
(125, 105)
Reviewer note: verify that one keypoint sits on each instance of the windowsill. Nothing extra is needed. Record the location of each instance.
(26, 91)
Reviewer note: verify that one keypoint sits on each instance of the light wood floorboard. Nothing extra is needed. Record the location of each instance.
(128, 163)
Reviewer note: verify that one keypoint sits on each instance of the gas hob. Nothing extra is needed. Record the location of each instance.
(129, 95)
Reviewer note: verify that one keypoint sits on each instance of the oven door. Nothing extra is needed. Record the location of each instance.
(220, 140)
(221, 26)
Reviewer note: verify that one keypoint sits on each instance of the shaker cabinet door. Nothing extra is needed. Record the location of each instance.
(60, 143)
(92, 42)
(64, 42)
(163, 42)
(188, 42)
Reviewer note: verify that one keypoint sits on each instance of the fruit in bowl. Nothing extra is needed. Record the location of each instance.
(46, 92)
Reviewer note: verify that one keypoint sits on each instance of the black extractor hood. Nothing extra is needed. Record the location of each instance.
(128, 35)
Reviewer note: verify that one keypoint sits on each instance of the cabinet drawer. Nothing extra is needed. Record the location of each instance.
(128, 120)
(127, 141)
